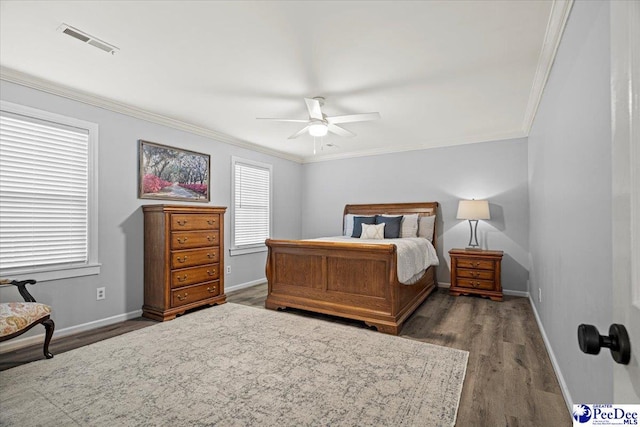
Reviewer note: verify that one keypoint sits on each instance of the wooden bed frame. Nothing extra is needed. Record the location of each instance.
(354, 281)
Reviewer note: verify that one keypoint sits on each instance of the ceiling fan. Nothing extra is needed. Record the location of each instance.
(318, 124)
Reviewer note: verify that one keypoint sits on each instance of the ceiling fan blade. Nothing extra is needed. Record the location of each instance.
(283, 120)
(364, 117)
(300, 132)
(313, 105)
(340, 131)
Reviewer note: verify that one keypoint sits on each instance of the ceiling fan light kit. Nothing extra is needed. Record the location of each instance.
(318, 124)
(318, 129)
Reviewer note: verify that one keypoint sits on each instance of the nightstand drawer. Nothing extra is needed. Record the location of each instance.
(475, 274)
(476, 284)
(475, 263)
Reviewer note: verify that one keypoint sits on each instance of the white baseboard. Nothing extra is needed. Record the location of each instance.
(244, 285)
(524, 294)
(18, 343)
(554, 362)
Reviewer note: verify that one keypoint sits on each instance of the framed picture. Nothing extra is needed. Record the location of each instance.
(169, 173)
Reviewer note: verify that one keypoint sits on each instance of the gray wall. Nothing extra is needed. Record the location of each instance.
(120, 216)
(570, 200)
(493, 170)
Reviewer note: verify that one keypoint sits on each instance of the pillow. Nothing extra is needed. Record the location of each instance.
(372, 231)
(357, 224)
(392, 225)
(348, 223)
(425, 227)
(409, 225)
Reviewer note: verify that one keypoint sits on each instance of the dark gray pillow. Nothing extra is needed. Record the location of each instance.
(357, 224)
(392, 225)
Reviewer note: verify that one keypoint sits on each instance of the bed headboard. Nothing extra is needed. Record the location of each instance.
(422, 209)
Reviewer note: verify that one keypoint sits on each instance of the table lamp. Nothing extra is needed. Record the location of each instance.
(473, 210)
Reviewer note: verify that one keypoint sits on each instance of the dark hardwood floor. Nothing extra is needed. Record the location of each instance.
(62, 344)
(509, 379)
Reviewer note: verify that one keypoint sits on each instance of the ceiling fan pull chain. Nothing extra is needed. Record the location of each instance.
(314, 145)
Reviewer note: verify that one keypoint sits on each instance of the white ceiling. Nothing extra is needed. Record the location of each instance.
(439, 72)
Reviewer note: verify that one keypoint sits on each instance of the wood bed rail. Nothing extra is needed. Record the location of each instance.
(321, 244)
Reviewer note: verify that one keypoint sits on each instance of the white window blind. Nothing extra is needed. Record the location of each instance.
(44, 193)
(252, 203)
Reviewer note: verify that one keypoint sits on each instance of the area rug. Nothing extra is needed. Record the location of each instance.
(232, 365)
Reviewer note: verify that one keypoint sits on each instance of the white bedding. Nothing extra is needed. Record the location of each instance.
(415, 254)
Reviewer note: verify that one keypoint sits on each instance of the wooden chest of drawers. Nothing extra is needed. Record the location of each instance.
(183, 259)
(476, 272)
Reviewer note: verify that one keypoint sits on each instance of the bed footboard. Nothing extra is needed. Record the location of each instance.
(353, 281)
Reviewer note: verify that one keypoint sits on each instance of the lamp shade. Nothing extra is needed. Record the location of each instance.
(473, 209)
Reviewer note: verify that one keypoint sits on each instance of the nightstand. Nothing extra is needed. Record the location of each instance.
(476, 271)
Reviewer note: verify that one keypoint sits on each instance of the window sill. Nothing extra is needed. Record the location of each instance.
(47, 274)
(244, 251)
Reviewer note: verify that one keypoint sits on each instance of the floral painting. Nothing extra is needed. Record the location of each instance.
(173, 174)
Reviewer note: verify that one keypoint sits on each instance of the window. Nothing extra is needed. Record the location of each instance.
(48, 205)
(250, 205)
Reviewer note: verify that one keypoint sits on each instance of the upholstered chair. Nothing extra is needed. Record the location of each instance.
(16, 318)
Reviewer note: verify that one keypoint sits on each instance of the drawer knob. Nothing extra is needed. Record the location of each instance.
(474, 274)
(182, 240)
(181, 297)
(182, 222)
(183, 259)
(210, 256)
(476, 264)
(210, 238)
(211, 272)
(475, 284)
(211, 289)
(211, 221)
(182, 279)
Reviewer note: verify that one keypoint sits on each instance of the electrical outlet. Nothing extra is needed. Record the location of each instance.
(228, 269)
(101, 293)
(539, 294)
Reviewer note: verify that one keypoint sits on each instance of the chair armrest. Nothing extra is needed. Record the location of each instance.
(22, 288)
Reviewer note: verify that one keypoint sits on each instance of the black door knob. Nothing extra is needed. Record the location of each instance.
(617, 342)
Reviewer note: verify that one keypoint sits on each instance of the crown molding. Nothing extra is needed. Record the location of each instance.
(23, 79)
(447, 142)
(47, 86)
(555, 28)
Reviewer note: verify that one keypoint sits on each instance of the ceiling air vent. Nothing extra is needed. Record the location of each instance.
(87, 38)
